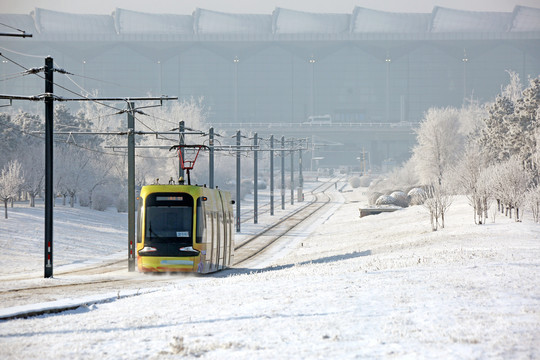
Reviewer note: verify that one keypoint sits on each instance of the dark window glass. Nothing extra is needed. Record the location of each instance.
(200, 221)
(169, 218)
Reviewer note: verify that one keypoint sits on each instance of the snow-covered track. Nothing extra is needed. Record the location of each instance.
(26, 296)
(258, 243)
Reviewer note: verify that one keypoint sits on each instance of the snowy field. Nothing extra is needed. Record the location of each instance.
(382, 286)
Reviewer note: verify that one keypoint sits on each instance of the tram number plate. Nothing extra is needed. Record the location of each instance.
(182, 234)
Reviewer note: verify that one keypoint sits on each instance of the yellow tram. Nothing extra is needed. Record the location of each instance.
(184, 228)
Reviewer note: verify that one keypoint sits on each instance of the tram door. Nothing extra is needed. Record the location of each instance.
(220, 234)
(212, 234)
(225, 232)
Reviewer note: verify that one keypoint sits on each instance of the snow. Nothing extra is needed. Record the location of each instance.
(340, 287)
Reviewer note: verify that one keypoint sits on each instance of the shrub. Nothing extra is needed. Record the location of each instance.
(354, 182)
(100, 201)
(372, 198)
(401, 198)
(385, 200)
(416, 196)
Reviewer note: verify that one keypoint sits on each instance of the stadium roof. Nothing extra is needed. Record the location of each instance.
(125, 24)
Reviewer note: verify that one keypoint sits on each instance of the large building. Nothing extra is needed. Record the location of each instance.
(374, 73)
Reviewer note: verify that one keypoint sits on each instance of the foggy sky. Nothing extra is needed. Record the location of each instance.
(256, 6)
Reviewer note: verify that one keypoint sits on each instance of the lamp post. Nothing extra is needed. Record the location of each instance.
(84, 73)
(388, 61)
(465, 60)
(236, 61)
(312, 94)
(160, 69)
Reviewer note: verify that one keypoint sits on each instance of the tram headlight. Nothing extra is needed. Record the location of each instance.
(189, 250)
(147, 249)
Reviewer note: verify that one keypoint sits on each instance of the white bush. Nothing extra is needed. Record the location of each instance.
(385, 200)
(401, 198)
(416, 196)
(354, 182)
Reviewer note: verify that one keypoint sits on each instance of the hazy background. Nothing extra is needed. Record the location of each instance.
(257, 6)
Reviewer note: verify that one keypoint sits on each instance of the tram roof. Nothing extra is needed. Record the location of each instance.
(282, 24)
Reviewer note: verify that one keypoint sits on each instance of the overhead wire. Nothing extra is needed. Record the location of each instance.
(60, 86)
(23, 54)
(35, 71)
(13, 28)
(67, 73)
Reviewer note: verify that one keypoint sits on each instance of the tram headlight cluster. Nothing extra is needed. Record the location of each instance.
(147, 249)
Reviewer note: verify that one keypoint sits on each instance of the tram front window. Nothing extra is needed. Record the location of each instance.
(169, 218)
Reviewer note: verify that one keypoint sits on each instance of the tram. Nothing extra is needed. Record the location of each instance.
(184, 228)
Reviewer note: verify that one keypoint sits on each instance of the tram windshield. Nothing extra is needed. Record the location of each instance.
(169, 218)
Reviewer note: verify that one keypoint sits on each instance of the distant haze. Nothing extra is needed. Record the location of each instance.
(256, 6)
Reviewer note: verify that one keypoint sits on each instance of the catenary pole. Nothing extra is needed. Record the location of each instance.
(300, 175)
(292, 173)
(271, 174)
(283, 172)
(238, 180)
(255, 179)
(131, 186)
(49, 126)
(211, 158)
(181, 130)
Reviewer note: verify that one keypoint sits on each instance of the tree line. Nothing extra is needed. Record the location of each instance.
(86, 169)
(489, 152)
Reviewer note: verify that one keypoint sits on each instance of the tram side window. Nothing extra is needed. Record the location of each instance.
(201, 220)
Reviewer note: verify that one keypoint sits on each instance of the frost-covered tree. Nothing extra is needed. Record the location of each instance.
(10, 133)
(165, 164)
(471, 117)
(484, 195)
(533, 201)
(437, 200)
(525, 126)
(493, 138)
(33, 163)
(514, 89)
(510, 182)
(466, 176)
(72, 171)
(65, 121)
(439, 144)
(11, 181)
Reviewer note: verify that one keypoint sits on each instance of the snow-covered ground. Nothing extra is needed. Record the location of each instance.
(382, 286)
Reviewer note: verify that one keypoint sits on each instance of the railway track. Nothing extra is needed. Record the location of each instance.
(112, 276)
(255, 245)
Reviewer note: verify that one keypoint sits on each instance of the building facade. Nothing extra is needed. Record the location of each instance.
(366, 67)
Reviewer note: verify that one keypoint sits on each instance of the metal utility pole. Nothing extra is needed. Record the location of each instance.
(211, 158)
(131, 186)
(255, 179)
(181, 130)
(238, 180)
(272, 175)
(283, 172)
(292, 173)
(49, 126)
(300, 171)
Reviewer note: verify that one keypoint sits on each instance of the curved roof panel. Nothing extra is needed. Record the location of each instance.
(213, 22)
(299, 22)
(133, 22)
(363, 23)
(526, 19)
(48, 21)
(450, 20)
(373, 21)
